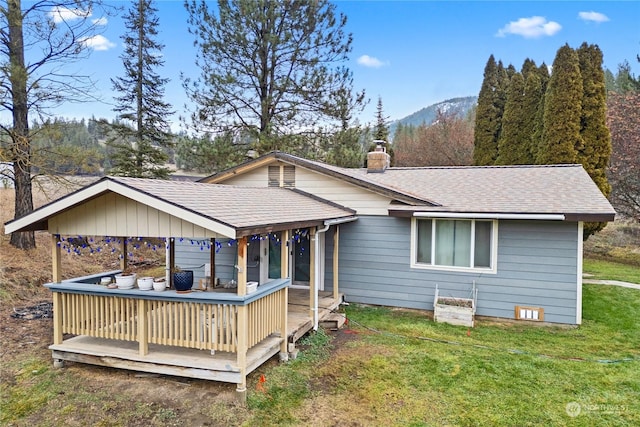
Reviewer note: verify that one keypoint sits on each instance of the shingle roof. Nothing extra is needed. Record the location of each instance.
(526, 189)
(247, 210)
(240, 207)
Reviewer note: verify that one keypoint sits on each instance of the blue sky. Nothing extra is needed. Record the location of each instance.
(410, 53)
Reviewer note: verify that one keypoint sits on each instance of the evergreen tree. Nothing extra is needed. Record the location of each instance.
(513, 145)
(532, 114)
(488, 115)
(145, 131)
(536, 136)
(346, 148)
(596, 148)
(529, 66)
(270, 66)
(561, 137)
(381, 131)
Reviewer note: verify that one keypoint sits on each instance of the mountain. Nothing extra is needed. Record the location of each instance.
(460, 106)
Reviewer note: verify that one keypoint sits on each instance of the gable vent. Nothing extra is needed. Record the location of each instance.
(282, 176)
(289, 176)
(274, 176)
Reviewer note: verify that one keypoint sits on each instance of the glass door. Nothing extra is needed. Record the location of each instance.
(301, 258)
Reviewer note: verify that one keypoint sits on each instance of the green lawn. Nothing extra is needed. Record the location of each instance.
(403, 369)
(611, 270)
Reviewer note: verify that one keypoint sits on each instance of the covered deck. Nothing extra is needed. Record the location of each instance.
(219, 335)
(190, 335)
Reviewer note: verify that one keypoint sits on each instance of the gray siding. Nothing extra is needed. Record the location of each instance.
(537, 266)
(192, 254)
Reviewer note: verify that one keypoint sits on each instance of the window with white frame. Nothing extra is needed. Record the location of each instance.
(454, 243)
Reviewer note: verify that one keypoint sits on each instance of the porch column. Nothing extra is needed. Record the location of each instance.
(212, 262)
(312, 272)
(143, 328)
(56, 259)
(243, 321)
(57, 296)
(124, 251)
(336, 253)
(284, 273)
(172, 260)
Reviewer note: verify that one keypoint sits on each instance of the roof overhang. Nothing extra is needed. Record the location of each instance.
(39, 219)
(409, 212)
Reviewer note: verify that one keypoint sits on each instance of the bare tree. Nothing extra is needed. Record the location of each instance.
(623, 119)
(54, 34)
(446, 142)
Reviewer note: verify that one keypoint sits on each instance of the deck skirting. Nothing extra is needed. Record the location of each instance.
(166, 360)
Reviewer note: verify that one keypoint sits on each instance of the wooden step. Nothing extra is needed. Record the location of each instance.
(333, 321)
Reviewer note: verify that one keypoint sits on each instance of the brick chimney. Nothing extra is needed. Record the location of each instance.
(378, 160)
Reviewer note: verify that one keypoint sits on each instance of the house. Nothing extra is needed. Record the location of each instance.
(512, 232)
(311, 235)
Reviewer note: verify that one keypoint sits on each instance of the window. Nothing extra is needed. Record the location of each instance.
(454, 244)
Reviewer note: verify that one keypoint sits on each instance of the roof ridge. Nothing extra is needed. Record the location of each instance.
(482, 167)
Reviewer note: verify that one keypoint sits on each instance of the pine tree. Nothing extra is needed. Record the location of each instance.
(561, 137)
(489, 112)
(142, 130)
(596, 149)
(269, 67)
(513, 145)
(381, 131)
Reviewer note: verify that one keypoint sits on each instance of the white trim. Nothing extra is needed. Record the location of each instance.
(579, 274)
(133, 194)
(478, 215)
(494, 251)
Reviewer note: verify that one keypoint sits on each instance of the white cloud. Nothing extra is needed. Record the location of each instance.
(371, 61)
(60, 14)
(530, 28)
(593, 16)
(97, 42)
(100, 21)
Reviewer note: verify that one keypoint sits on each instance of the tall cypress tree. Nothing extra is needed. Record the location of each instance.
(532, 108)
(561, 137)
(529, 66)
(142, 129)
(513, 145)
(596, 149)
(536, 136)
(489, 114)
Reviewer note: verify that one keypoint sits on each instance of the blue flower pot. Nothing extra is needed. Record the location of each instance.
(183, 280)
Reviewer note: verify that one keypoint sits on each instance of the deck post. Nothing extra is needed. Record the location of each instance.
(212, 262)
(172, 260)
(57, 296)
(124, 253)
(56, 259)
(57, 318)
(143, 328)
(336, 254)
(312, 272)
(284, 273)
(243, 322)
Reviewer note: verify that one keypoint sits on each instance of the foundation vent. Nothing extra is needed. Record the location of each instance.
(535, 314)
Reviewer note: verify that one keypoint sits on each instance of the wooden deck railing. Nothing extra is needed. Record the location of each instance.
(203, 324)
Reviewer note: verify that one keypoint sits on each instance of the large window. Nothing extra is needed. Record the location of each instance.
(454, 244)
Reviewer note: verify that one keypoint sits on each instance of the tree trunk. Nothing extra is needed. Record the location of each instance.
(21, 145)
